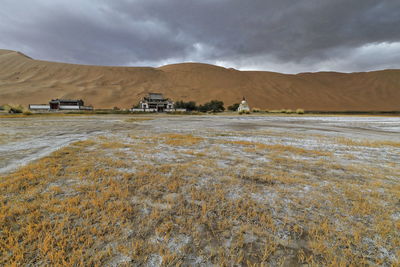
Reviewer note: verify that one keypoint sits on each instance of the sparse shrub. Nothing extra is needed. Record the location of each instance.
(300, 111)
(7, 107)
(276, 111)
(256, 110)
(285, 111)
(10, 108)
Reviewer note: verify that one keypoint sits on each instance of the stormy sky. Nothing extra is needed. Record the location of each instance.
(275, 35)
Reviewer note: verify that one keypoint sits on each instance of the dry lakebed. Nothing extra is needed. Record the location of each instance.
(212, 190)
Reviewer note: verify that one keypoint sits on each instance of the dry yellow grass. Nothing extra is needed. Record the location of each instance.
(3, 138)
(281, 148)
(181, 139)
(137, 119)
(92, 204)
(366, 143)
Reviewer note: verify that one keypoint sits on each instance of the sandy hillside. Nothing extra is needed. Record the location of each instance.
(24, 80)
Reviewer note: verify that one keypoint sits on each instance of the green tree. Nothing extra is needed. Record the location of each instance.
(213, 106)
(234, 107)
(189, 106)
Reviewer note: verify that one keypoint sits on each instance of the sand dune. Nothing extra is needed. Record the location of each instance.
(24, 80)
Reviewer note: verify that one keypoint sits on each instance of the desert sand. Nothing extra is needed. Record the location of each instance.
(24, 80)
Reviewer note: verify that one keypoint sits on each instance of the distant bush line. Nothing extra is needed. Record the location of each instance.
(212, 106)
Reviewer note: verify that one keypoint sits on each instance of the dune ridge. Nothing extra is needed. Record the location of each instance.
(24, 80)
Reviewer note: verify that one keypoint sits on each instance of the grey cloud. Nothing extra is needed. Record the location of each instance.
(280, 35)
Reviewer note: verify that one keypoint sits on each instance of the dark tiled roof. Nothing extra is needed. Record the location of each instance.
(65, 100)
(156, 96)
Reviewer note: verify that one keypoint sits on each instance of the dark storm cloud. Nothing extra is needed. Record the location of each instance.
(281, 35)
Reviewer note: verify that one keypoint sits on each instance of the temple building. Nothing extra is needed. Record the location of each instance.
(156, 102)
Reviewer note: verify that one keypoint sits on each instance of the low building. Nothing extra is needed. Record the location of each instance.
(244, 106)
(43, 107)
(61, 104)
(156, 102)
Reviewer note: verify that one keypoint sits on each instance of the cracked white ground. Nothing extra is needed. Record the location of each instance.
(320, 189)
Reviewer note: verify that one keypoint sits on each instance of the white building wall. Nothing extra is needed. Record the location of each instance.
(85, 108)
(39, 107)
(69, 107)
(143, 110)
(175, 110)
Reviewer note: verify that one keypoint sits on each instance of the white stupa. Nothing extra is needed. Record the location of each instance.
(243, 107)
